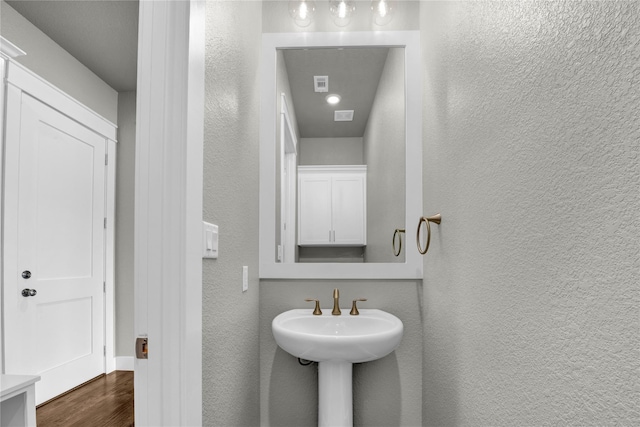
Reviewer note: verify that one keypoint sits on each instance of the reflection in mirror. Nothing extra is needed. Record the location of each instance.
(374, 172)
(369, 82)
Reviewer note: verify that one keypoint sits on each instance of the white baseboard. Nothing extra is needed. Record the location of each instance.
(124, 363)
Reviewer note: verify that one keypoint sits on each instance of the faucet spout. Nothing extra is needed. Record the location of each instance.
(336, 302)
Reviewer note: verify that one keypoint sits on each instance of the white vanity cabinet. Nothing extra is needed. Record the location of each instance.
(18, 400)
(332, 204)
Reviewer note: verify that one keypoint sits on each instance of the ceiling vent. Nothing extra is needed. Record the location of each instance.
(321, 83)
(343, 116)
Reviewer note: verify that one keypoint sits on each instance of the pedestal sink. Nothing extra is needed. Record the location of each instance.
(336, 342)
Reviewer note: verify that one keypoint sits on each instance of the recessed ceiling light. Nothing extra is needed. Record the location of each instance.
(333, 99)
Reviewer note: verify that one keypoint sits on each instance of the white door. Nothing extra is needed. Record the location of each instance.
(58, 241)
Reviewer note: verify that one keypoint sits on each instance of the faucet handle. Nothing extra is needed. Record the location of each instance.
(354, 310)
(316, 311)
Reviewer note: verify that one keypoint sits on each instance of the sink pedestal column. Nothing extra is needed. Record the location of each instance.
(335, 394)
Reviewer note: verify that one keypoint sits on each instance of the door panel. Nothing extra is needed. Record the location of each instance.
(69, 180)
(63, 324)
(59, 332)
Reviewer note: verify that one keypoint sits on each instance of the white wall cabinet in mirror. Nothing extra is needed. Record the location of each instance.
(388, 145)
(332, 206)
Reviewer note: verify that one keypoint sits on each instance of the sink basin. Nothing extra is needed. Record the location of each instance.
(336, 343)
(327, 338)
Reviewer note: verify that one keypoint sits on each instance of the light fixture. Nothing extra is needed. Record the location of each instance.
(333, 99)
(302, 12)
(341, 11)
(382, 11)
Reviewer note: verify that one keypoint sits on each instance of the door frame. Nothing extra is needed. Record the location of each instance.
(168, 212)
(288, 191)
(16, 81)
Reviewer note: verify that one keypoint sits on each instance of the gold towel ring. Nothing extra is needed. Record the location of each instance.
(393, 242)
(435, 218)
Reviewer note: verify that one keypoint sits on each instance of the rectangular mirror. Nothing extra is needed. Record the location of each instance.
(336, 181)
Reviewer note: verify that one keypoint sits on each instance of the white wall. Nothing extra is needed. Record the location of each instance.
(331, 151)
(532, 283)
(231, 354)
(125, 192)
(54, 64)
(384, 151)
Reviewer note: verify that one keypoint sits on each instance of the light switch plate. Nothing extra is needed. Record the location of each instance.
(245, 278)
(209, 240)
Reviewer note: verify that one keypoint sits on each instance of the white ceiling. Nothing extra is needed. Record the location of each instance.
(101, 34)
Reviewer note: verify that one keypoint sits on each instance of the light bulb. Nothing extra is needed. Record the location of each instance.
(302, 12)
(382, 11)
(341, 11)
(333, 99)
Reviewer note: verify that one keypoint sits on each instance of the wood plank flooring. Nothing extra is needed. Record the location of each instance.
(105, 402)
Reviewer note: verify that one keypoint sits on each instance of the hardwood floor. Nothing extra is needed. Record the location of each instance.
(105, 402)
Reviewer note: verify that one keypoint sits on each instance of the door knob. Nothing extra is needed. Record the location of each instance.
(29, 292)
(26, 274)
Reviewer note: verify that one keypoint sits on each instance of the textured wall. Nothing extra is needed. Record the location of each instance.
(531, 154)
(230, 355)
(54, 64)
(384, 142)
(125, 192)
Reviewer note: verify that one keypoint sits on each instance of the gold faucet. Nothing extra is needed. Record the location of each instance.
(354, 309)
(316, 311)
(336, 302)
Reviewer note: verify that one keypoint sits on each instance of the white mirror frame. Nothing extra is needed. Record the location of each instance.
(412, 267)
